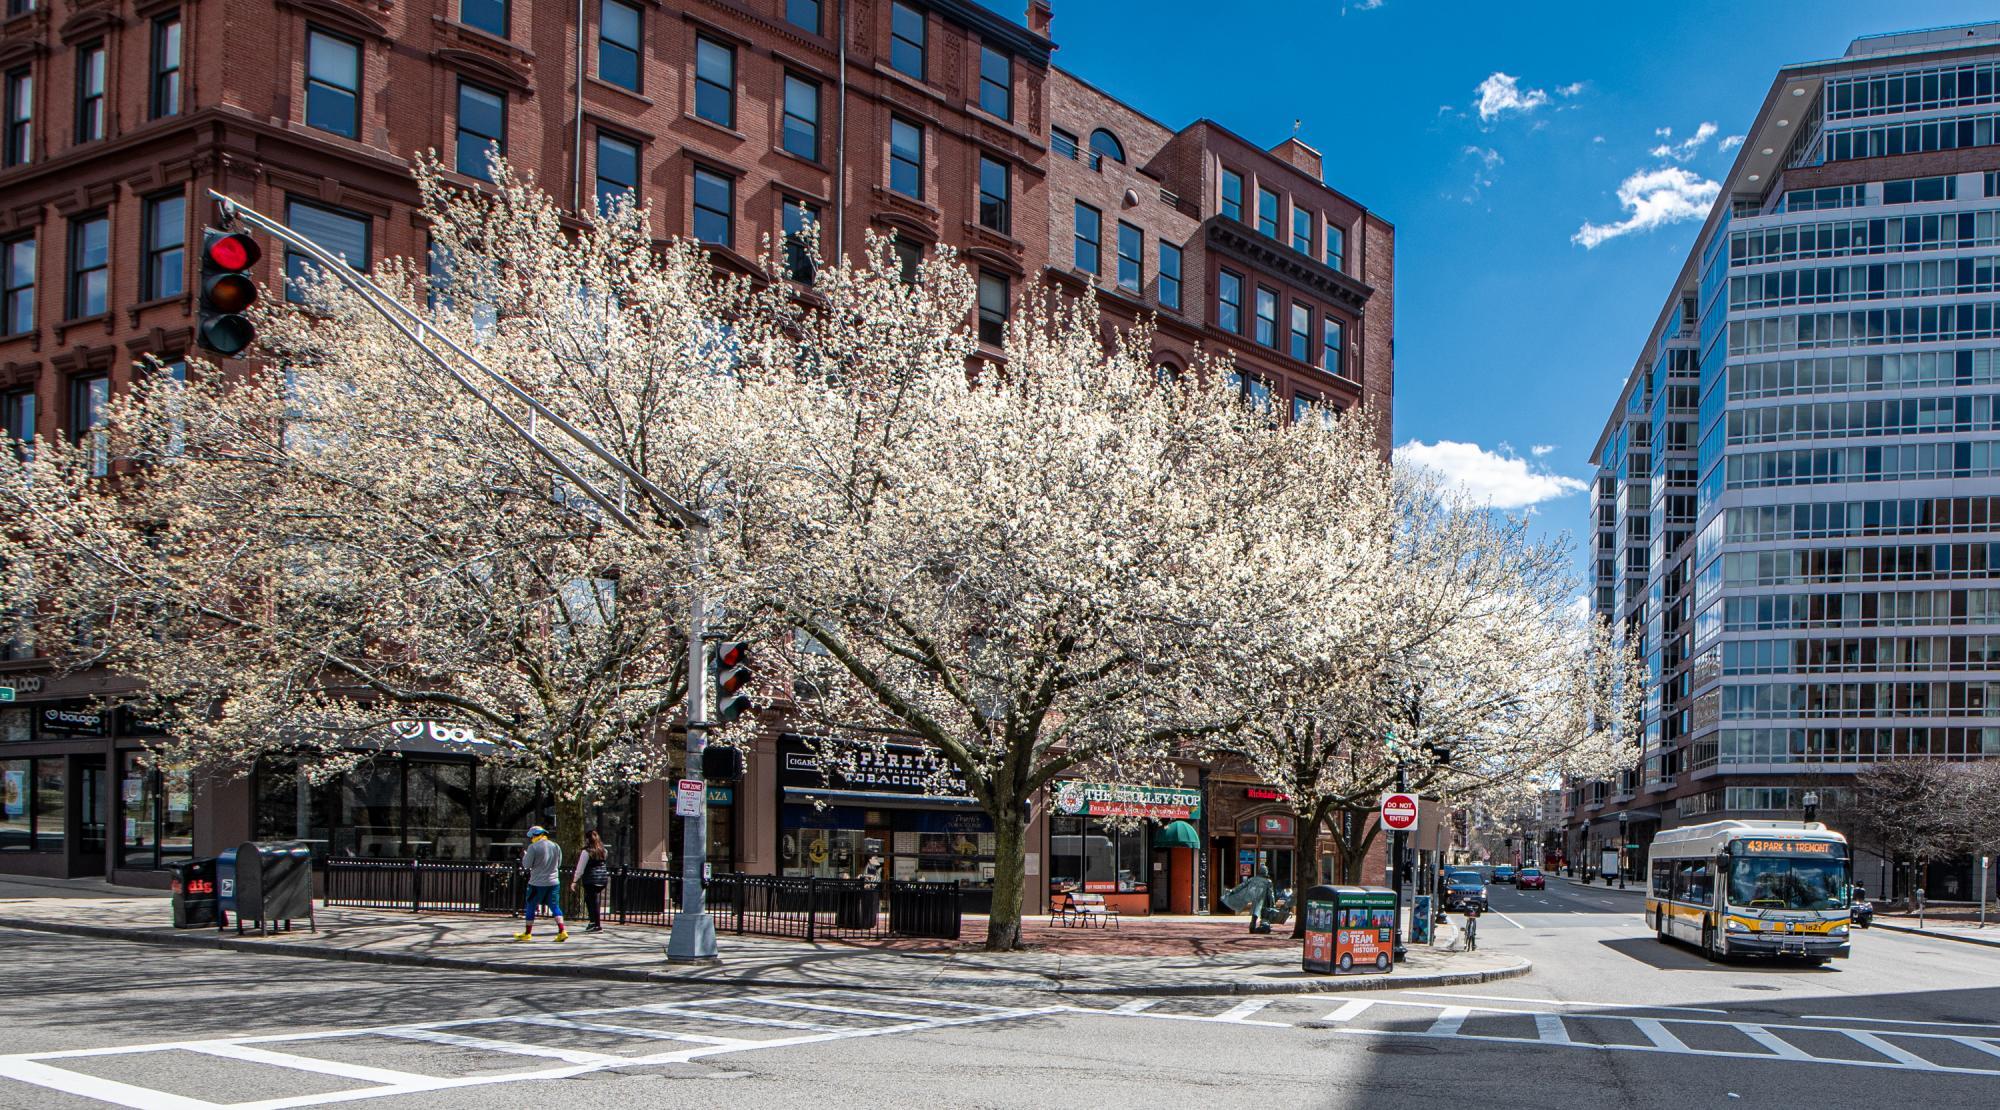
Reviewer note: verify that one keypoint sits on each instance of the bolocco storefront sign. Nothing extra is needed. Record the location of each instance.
(1115, 799)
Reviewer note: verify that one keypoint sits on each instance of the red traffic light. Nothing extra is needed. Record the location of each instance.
(233, 252)
(731, 654)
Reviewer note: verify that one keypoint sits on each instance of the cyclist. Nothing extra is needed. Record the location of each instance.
(1472, 926)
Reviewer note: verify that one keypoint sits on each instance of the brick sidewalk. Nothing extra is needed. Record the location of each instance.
(1182, 955)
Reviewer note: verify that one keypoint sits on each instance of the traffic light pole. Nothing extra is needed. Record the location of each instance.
(693, 936)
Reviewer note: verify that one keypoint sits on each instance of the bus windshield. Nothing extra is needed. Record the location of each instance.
(1780, 883)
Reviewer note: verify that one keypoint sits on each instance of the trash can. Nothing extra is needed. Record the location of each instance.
(193, 889)
(274, 885)
(1320, 907)
(1364, 930)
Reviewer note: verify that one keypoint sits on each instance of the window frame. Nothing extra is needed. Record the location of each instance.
(696, 208)
(915, 165)
(75, 275)
(9, 325)
(799, 266)
(1094, 241)
(1002, 89)
(1336, 247)
(1117, 147)
(1137, 258)
(1300, 345)
(85, 398)
(635, 49)
(93, 108)
(164, 79)
(787, 115)
(1269, 228)
(1170, 276)
(791, 14)
(996, 209)
(921, 44)
(17, 418)
(1311, 238)
(1333, 345)
(993, 323)
(366, 224)
(705, 80)
(1227, 205)
(506, 8)
(460, 131)
(1225, 278)
(1266, 332)
(315, 33)
(153, 266)
(606, 135)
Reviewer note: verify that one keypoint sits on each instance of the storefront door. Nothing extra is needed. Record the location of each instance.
(90, 816)
(1163, 878)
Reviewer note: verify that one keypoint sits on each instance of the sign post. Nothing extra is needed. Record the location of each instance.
(1399, 815)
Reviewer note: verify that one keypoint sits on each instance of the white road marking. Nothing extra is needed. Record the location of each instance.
(1559, 1002)
(1549, 1029)
(1898, 1021)
(1135, 1006)
(1507, 919)
(1448, 1021)
(489, 1044)
(671, 1009)
(1772, 1041)
(1876, 1043)
(853, 1011)
(1657, 1033)
(1349, 1009)
(254, 1055)
(1242, 1010)
(624, 1030)
(103, 1090)
(1987, 1047)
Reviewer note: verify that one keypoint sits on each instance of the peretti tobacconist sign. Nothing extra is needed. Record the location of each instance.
(871, 768)
(1113, 799)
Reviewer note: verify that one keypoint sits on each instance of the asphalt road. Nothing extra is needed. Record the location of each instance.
(1609, 1018)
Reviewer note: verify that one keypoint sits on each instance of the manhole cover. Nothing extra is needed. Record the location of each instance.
(1757, 987)
(1402, 1048)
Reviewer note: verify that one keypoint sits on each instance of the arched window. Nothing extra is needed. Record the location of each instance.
(1105, 143)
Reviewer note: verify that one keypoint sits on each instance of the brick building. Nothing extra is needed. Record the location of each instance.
(738, 121)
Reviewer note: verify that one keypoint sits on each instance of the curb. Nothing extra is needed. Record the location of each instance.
(1330, 984)
(1934, 934)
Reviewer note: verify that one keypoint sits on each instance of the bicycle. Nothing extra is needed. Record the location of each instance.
(1471, 932)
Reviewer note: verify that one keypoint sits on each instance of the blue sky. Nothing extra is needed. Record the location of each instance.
(1513, 338)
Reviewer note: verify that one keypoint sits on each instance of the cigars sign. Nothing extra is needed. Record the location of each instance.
(1113, 799)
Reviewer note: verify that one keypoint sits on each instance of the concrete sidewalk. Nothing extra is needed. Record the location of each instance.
(1941, 930)
(636, 953)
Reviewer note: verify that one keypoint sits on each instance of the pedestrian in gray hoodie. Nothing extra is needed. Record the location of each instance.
(542, 859)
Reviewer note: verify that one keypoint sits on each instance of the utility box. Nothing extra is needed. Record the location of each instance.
(1364, 930)
(193, 890)
(274, 885)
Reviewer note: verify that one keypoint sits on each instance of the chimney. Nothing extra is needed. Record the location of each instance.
(1301, 156)
(1040, 15)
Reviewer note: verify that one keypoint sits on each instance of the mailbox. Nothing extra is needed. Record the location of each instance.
(274, 885)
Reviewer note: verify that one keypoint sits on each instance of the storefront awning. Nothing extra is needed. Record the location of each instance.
(1177, 834)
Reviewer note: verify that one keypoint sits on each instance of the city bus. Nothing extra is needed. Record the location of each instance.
(1767, 888)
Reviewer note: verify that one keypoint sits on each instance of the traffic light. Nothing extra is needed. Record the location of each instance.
(227, 291)
(732, 680)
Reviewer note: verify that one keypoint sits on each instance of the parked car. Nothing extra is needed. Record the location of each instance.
(1504, 873)
(1530, 878)
(1462, 890)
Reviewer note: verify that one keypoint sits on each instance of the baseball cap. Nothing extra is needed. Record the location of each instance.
(537, 830)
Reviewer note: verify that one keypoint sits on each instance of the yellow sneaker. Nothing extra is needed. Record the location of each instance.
(524, 937)
(562, 936)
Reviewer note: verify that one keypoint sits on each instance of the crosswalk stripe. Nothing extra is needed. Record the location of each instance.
(623, 1030)
(1243, 1009)
(1772, 1041)
(1349, 1009)
(687, 1010)
(1893, 1052)
(1658, 1033)
(1135, 1006)
(855, 1011)
(1449, 1019)
(253, 1055)
(1549, 1029)
(1979, 1043)
(513, 1048)
(103, 1090)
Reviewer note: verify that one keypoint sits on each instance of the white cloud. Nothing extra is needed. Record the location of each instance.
(1729, 143)
(1686, 148)
(1500, 479)
(1597, 138)
(1667, 195)
(1363, 6)
(1571, 89)
(1540, 449)
(1485, 160)
(1500, 94)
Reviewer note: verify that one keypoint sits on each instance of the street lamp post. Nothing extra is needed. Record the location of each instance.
(1623, 840)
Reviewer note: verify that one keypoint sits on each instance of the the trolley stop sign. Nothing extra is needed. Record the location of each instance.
(1399, 811)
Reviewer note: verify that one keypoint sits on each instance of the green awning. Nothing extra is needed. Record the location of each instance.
(1177, 834)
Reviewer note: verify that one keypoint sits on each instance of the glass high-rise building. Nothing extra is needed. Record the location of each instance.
(1797, 508)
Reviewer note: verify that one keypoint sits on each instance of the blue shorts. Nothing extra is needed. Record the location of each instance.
(544, 897)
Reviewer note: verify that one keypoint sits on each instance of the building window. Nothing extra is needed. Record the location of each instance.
(165, 270)
(995, 191)
(1333, 353)
(166, 67)
(801, 117)
(714, 208)
(490, 16)
(1232, 194)
(798, 218)
(343, 234)
(1089, 234)
(803, 14)
(1106, 145)
(482, 129)
(714, 81)
(1302, 332)
(1267, 316)
(1062, 143)
(619, 30)
(88, 399)
(89, 266)
(32, 810)
(617, 170)
(909, 256)
(1229, 302)
(1091, 854)
(992, 308)
(1267, 212)
(1336, 248)
(906, 158)
(906, 39)
(333, 83)
(1170, 276)
(90, 92)
(1131, 257)
(17, 419)
(1302, 230)
(20, 116)
(996, 82)
(17, 285)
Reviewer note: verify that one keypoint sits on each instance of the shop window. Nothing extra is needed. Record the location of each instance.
(157, 811)
(941, 847)
(1092, 855)
(32, 805)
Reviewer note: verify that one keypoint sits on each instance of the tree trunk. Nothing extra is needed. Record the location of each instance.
(1305, 861)
(568, 835)
(1010, 834)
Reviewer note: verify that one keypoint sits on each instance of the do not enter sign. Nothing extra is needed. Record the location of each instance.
(1399, 811)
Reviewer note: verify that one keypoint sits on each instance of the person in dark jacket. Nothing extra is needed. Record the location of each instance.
(592, 875)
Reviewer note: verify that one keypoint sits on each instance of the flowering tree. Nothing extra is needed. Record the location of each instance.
(297, 558)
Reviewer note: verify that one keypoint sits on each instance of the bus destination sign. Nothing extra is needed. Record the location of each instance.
(1767, 847)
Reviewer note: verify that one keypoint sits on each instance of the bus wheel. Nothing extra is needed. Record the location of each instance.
(1660, 930)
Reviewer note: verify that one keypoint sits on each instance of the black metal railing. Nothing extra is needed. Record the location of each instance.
(807, 908)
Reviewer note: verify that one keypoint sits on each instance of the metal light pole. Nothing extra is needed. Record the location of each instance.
(1396, 850)
(693, 935)
(1623, 839)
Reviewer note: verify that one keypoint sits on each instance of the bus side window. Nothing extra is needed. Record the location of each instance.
(1663, 879)
(1682, 871)
(1701, 884)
